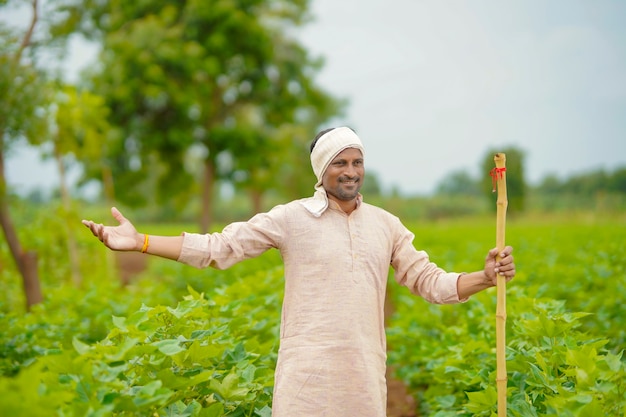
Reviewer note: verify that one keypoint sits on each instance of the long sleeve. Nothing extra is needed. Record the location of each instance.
(422, 277)
(237, 242)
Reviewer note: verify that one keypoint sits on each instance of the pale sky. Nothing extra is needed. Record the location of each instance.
(434, 84)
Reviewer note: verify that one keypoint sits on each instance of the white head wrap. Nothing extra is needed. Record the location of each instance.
(328, 146)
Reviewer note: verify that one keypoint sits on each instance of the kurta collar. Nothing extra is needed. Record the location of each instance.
(318, 204)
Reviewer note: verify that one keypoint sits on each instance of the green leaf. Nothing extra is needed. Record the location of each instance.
(184, 307)
(80, 347)
(592, 409)
(203, 354)
(119, 322)
(193, 294)
(446, 401)
(214, 410)
(180, 409)
(263, 412)
(614, 362)
(480, 401)
(151, 394)
(173, 381)
(169, 347)
(229, 387)
(122, 349)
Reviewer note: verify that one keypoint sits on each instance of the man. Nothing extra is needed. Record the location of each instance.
(336, 251)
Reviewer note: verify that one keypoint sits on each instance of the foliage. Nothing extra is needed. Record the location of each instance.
(586, 185)
(181, 341)
(564, 343)
(23, 102)
(93, 355)
(81, 130)
(23, 93)
(459, 183)
(597, 191)
(206, 90)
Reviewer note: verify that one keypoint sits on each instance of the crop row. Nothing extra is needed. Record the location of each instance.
(183, 342)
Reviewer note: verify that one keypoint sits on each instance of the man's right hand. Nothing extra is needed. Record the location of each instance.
(123, 237)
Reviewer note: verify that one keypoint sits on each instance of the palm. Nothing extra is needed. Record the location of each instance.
(122, 237)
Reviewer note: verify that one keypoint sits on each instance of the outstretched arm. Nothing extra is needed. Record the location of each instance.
(470, 284)
(125, 237)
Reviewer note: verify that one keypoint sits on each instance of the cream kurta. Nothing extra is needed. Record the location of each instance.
(332, 355)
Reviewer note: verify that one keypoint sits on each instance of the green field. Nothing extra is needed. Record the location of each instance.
(178, 341)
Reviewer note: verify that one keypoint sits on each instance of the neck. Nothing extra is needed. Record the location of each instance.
(347, 206)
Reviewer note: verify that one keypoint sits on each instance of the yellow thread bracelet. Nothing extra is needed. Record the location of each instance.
(146, 242)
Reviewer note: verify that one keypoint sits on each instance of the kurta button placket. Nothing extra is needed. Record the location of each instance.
(352, 237)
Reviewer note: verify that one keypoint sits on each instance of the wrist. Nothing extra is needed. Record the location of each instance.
(139, 242)
(488, 281)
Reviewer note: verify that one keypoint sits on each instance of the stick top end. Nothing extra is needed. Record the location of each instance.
(500, 159)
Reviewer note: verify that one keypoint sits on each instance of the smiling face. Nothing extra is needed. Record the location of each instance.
(344, 177)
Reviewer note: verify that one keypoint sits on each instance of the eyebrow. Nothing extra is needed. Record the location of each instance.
(360, 159)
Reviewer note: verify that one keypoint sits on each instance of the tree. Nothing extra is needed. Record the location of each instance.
(617, 181)
(550, 185)
(515, 181)
(587, 184)
(217, 77)
(459, 183)
(22, 115)
(79, 131)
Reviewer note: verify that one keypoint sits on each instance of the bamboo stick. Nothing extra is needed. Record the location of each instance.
(499, 176)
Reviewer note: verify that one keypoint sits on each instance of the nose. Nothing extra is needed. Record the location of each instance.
(350, 170)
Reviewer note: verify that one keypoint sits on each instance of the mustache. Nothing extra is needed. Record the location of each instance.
(345, 178)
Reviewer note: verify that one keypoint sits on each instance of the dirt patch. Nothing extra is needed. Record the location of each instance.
(130, 264)
(400, 403)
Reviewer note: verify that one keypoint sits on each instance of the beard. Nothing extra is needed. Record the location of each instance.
(346, 189)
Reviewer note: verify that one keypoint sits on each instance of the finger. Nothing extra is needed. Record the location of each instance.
(508, 272)
(505, 266)
(94, 228)
(97, 230)
(118, 215)
(506, 251)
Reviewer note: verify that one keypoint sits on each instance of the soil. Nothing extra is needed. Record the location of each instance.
(400, 403)
(130, 264)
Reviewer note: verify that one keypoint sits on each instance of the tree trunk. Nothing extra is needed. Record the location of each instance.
(208, 186)
(257, 201)
(72, 249)
(26, 261)
(108, 185)
(30, 278)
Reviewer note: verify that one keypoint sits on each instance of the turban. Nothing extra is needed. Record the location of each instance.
(328, 146)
